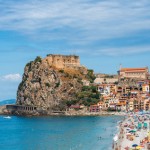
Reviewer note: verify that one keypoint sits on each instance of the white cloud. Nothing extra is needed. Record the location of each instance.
(11, 77)
(123, 50)
(98, 20)
(78, 22)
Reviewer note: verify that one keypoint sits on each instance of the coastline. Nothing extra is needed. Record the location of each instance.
(4, 111)
(101, 113)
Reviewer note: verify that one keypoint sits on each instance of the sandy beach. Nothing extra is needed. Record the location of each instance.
(134, 133)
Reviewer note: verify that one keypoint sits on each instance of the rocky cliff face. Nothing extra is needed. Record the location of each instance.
(46, 87)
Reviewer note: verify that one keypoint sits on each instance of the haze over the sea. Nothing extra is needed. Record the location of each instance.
(103, 33)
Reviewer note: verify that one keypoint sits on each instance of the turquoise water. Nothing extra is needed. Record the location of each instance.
(57, 133)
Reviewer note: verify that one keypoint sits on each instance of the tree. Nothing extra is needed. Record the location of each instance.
(38, 59)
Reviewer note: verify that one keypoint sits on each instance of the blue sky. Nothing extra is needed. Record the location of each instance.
(104, 33)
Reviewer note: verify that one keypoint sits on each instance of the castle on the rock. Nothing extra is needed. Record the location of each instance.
(63, 61)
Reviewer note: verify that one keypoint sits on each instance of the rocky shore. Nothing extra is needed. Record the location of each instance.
(87, 113)
(5, 111)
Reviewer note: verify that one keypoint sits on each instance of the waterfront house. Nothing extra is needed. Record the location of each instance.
(131, 105)
(145, 88)
(94, 108)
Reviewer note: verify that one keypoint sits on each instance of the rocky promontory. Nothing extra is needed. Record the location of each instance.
(48, 85)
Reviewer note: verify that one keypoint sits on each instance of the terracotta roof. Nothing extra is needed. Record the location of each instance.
(118, 104)
(145, 85)
(134, 69)
(93, 105)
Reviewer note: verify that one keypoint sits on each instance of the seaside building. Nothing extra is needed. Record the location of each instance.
(94, 108)
(123, 100)
(101, 105)
(141, 73)
(131, 105)
(145, 88)
(147, 104)
(105, 80)
(131, 92)
(107, 89)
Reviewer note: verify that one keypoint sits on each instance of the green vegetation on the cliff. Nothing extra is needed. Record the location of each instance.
(87, 96)
(38, 59)
(90, 75)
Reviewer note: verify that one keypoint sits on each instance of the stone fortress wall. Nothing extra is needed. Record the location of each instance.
(63, 61)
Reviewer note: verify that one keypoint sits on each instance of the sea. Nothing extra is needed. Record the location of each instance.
(58, 133)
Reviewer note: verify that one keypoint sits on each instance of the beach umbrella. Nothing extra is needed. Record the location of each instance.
(132, 131)
(134, 145)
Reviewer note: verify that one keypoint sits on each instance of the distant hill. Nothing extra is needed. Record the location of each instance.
(10, 101)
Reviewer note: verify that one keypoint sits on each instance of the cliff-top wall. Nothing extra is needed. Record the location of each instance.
(63, 61)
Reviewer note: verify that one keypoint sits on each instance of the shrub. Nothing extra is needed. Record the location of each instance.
(74, 76)
(96, 96)
(85, 88)
(61, 71)
(29, 64)
(93, 88)
(71, 84)
(38, 59)
(90, 75)
(79, 81)
(71, 102)
(67, 75)
(47, 84)
(57, 84)
(20, 85)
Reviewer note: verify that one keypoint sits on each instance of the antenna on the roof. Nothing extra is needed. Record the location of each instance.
(120, 66)
(74, 52)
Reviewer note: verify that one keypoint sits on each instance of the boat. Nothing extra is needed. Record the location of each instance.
(7, 117)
